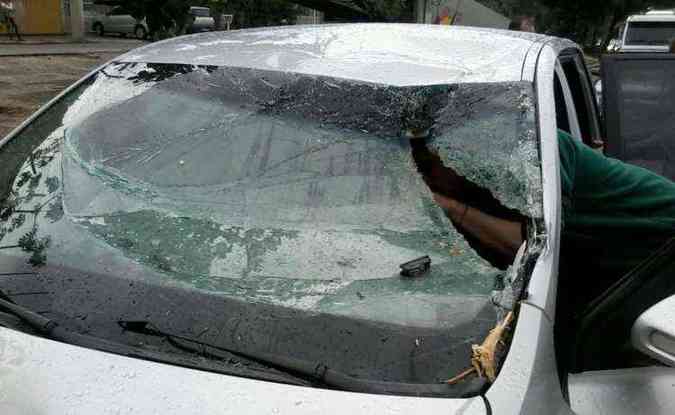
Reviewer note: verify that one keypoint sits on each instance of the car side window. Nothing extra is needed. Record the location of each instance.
(566, 114)
(562, 121)
(582, 95)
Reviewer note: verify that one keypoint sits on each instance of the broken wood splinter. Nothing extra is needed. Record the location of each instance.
(483, 356)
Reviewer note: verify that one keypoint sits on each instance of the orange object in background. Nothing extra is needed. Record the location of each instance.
(39, 17)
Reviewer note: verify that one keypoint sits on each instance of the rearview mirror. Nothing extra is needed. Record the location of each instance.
(653, 333)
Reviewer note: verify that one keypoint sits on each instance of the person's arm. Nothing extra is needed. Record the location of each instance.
(494, 231)
(502, 236)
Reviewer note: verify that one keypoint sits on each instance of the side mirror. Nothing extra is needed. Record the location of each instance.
(597, 87)
(614, 45)
(653, 333)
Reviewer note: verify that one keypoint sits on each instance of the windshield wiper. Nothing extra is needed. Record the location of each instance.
(295, 371)
(315, 372)
(48, 327)
(37, 322)
(52, 330)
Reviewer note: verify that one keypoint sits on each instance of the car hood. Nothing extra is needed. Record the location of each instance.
(47, 377)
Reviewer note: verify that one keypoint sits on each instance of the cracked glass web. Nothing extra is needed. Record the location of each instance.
(291, 189)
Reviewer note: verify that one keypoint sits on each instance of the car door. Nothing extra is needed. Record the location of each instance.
(613, 377)
(575, 114)
(127, 23)
(115, 21)
(639, 109)
(597, 347)
(109, 21)
(614, 312)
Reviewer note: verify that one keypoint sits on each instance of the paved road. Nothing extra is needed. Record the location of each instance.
(35, 70)
(27, 82)
(33, 47)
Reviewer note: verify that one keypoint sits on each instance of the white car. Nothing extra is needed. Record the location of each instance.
(224, 223)
(650, 32)
(203, 22)
(119, 21)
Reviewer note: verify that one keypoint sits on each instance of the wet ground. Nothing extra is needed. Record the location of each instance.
(27, 82)
(65, 45)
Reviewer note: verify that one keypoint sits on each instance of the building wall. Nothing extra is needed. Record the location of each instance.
(41, 17)
(459, 12)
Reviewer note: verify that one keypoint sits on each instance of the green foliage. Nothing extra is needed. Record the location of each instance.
(584, 21)
(386, 10)
(512, 8)
(217, 6)
(253, 13)
(590, 21)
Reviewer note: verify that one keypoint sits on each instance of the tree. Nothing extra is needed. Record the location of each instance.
(253, 13)
(587, 21)
(512, 8)
(584, 21)
(386, 10)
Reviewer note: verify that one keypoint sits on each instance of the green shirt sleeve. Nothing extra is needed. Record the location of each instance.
(619, 212)
(605, 192)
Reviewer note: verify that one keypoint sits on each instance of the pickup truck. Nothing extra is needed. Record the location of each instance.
(649, 32)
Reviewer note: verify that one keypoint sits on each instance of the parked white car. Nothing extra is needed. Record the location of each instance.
(121, 22)
(217, 224)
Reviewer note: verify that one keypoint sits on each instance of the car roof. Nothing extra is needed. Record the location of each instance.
(392, 54)
(654, 17)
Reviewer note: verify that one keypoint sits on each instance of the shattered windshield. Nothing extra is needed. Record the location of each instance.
(274, 188)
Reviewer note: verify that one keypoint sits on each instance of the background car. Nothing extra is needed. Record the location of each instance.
(193, 228)
(203, 22)
(649, 32)
(118, 20)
